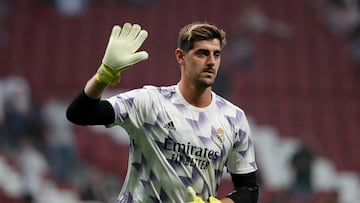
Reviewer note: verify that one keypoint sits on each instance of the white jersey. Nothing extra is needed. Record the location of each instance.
(174, 144)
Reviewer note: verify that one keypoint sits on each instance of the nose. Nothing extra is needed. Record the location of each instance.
(211, 59)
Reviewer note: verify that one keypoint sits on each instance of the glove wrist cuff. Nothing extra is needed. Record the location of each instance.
(107, 75)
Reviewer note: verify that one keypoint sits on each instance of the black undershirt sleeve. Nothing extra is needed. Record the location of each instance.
(84, 110)
(246, 188)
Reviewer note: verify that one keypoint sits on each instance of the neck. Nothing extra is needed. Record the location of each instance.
(198, 97)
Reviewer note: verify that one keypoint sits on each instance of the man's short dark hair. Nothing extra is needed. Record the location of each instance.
(197, 31)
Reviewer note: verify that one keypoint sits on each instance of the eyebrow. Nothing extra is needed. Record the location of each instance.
(207, 51)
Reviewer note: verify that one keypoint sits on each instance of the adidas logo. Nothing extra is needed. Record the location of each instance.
(170, 126)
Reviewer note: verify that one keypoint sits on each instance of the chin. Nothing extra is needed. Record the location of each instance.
(206, 83)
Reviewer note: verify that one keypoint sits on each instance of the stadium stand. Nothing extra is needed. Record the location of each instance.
(303, 87)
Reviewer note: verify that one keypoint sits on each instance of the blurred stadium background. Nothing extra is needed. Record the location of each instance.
(292, 65)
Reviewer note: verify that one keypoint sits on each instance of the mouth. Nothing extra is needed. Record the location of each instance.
(209, 70)
(209, 74)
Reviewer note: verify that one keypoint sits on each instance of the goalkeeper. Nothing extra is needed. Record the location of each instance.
(182, 136)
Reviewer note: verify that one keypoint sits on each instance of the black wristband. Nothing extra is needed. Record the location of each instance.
(244, 195)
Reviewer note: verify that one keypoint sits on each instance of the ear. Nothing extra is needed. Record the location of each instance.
(179, 54)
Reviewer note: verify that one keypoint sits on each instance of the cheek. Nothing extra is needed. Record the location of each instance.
(216, 67)
(192, 65)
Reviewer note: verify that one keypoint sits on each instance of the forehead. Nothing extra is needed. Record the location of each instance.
(212, 44)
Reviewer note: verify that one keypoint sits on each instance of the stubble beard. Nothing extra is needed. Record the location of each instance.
(205, 83)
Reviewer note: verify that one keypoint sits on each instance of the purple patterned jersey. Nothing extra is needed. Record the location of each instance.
(174, 144)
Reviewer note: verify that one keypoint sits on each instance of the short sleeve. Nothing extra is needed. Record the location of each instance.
(241, 158)
(130, 107)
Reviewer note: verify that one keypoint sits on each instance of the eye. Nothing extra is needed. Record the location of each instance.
(217, 53)
(202, 52)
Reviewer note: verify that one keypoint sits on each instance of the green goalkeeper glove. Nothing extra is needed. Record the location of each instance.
(121, 52)
(197, 199)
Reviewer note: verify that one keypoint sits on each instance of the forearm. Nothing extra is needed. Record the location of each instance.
(87, 108)
(94, 89)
